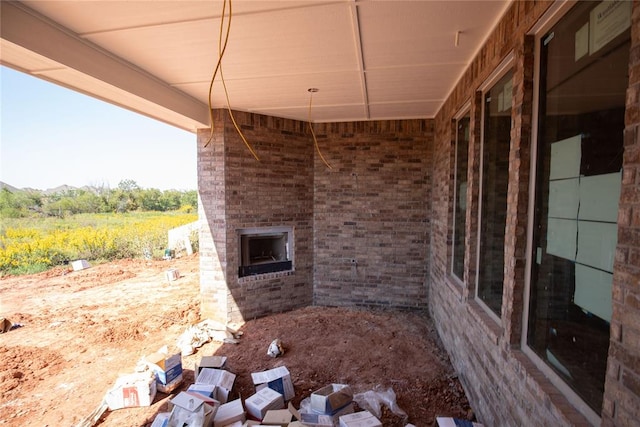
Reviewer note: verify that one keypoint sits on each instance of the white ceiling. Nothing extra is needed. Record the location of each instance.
(370, 60)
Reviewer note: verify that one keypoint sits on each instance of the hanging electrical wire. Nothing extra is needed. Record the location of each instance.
(218, 64)
(221, 49)
(226, 93)
(315, 140)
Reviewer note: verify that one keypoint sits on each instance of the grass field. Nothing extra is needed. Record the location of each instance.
(29, 245)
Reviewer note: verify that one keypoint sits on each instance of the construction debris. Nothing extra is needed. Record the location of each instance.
(275, 348)
(7, 325)
(132, 390)
(166, 367)
(172, 274)
(331, 399)
(192, 409)
(455, 422)
(201, 333)
(360, 419)
(373, 400)
(206, 402)
(329, 406)
(80, 264)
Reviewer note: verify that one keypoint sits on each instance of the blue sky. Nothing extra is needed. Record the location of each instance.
(50, 136)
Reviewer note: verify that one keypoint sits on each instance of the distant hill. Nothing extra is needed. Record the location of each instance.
(8, 187)
(59, 189)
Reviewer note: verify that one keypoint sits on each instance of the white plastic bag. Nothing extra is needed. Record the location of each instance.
(373, 399)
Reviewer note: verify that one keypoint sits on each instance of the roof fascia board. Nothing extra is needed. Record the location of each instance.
(32, 31)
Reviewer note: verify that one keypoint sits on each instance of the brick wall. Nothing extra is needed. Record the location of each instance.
(361, 227)
(370, 215)
(237, 191)
(621, 405)
(504, 386)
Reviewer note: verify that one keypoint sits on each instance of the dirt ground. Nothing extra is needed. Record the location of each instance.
(81, 329)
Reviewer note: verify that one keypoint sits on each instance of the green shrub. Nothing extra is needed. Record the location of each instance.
(28, 246)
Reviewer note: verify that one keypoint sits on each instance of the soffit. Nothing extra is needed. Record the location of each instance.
(369, 59)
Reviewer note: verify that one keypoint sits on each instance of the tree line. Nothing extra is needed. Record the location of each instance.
(127, 197)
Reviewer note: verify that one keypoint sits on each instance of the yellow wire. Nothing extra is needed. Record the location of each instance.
(315, 140)
(224, 85)
(215, 71)
(221, 50)
(234, 120)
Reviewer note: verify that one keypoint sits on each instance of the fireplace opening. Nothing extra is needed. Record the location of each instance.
(265, 250)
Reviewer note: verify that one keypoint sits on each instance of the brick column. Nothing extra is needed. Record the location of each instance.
(515, 255)
(621, 403)
(211, 212)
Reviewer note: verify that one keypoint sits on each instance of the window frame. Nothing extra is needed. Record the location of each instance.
(465, 111)
(553, 15)
(507, 65)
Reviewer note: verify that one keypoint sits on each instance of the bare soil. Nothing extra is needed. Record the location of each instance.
(81, 329)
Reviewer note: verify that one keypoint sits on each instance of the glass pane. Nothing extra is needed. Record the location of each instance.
(495, 180)
(460, 202)
(583, 79)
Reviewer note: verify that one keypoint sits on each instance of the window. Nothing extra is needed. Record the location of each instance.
(583, 80)
(460, 198)
(496, 141)
(265, 250)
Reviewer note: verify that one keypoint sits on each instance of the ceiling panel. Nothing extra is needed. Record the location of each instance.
(424, 32)
(89, 17)
(386, 59)
(293, 41)
(407, 110)
(281, 91)
(426, 82)
(320, 114)
(176, 53)
(283, 42)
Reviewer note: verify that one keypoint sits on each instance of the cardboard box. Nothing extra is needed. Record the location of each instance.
(186, 402)
(207, 390)
(223, 380)
(331, 399)
(277, 379)
(138, 389)
(278, 417)
(80, 264)
(263, 400)
(321, 420)
(360, 419)
(168, 370)
(228, 413)
(215, 362)
(172, 274)
(455, 422)
(316, 420)
(161, 420)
